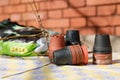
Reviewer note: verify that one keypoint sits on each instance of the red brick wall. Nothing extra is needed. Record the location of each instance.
(89, 16)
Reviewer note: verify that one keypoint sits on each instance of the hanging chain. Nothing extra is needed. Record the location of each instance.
(36, 12)
(38, 18)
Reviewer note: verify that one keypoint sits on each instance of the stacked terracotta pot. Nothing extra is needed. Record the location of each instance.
(79, 54)
(71, 53)
(56, 42)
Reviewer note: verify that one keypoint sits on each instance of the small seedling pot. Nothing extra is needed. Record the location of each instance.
(102, 50)
(56, 42)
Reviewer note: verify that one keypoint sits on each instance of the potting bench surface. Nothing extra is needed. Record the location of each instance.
(17, 66)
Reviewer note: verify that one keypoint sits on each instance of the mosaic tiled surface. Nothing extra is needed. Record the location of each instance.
(10, 66)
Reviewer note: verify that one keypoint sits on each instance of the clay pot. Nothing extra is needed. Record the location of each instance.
(72, 37)
(56, 42)
(74, 55)
(102, 50)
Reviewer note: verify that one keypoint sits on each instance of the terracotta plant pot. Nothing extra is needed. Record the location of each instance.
(74, 55)
(56, 42)
(102, 50)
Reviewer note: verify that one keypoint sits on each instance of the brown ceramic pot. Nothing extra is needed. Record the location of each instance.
(85, 53)
(79, 54)
(56, 42)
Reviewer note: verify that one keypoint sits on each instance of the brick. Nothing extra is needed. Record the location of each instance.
(99, 21)
(4, 16)
(14, 9)
(101, 2)
(45, 6)
(14, 1)
(33, 23)
(31, 7)
(118, 9)
(106, 10)
(4, 2)
(28, 1)
(115, 20)
(56, 23)
(25, 1)
(76, 3)
(60, 4)
(104, 21)
(43, 15)
(15, 17)
(71, 13)
(117, 29)
(55, 14)
(28, 16)
(22, 23)
(78, 22)
(77, 12)
(32, 16)
(87, 31)
(106, 30)
(1, 9)
(87, 11)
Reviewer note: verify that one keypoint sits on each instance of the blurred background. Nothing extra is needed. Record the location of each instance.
(88, 16)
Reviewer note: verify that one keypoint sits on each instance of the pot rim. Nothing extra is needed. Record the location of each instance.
(85, 52)
(74, 58)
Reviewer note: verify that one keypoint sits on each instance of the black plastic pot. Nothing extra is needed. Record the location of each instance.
(62, 56)
(102, 44)
(74, 55)
(102, 51)
(72, 37)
